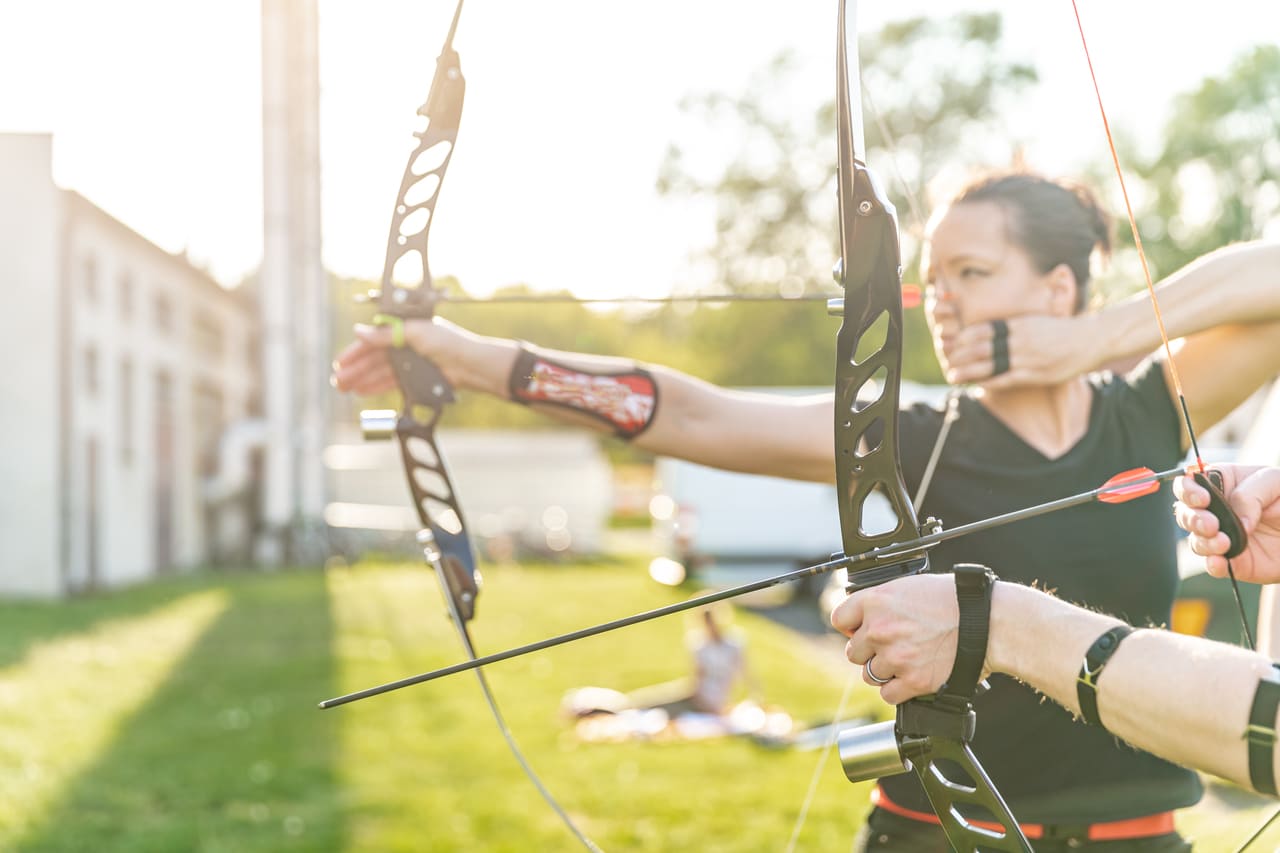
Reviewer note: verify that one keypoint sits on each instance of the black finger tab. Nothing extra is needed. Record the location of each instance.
(999, 347)
(1228, 522)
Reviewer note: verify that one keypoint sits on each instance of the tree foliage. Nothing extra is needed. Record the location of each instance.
(937, 82)
(933, 94)
(1216, 177)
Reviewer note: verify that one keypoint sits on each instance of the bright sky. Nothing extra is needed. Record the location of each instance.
(156, 114)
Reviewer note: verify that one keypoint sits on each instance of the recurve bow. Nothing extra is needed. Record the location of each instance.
(408, 292)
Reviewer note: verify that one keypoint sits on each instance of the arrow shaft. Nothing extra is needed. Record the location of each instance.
(895, 552)
(880, 557)
(679, 607)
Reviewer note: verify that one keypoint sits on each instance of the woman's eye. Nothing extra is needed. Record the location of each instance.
(972, 272)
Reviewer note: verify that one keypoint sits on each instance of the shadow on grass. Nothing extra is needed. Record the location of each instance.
(230, 752)
(24, 624)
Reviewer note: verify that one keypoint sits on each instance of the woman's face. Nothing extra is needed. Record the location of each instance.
(975, 274)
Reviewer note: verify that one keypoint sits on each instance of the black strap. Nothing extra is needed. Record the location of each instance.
(1261, 733)
(973, 595)
(1094, 661)
(999, 347)
(521, 372)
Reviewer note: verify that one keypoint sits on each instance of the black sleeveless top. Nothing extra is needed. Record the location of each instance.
(1119, 559)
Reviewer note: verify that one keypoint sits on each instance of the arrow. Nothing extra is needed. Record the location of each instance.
(1123, 487)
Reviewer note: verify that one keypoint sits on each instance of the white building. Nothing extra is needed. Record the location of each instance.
(547, 492)
(123, 366)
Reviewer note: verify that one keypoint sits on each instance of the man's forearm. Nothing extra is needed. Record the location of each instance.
(1183, 698)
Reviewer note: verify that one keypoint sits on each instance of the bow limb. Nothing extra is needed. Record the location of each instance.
(868, 379)
(408, 291)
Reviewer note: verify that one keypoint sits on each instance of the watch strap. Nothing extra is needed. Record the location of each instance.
(1261, 733)
(1095, 659)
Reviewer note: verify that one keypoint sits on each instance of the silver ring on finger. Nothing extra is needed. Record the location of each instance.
(866, 667)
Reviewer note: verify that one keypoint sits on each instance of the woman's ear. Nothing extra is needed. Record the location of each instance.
(1063, 290)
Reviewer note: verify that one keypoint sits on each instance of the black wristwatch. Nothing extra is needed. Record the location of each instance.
(973, 595)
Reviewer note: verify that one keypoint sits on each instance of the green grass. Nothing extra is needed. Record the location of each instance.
(181, 716)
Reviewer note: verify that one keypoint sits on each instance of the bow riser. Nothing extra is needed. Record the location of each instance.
(866, 388)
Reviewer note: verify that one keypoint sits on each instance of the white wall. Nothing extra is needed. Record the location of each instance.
(183, 337)
(84, 297)
(29, 324)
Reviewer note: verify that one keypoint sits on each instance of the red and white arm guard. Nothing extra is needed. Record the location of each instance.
(624, 400)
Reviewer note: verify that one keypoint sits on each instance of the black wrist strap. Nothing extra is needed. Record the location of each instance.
(973, 595)
(1094, 661)
(1261, 733)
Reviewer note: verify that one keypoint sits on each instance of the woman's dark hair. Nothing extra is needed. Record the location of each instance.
(1054, 222)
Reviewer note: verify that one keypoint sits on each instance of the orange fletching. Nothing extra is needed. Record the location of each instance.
(1128, 485)
(910, 295)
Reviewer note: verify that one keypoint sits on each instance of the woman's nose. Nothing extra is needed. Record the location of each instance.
(938, 291)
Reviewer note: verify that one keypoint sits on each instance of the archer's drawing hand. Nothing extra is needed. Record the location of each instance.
(467, 360)
(1043, 350)
(1254, 493)
(909, 626)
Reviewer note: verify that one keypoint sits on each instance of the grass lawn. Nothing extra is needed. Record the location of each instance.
(181, 716)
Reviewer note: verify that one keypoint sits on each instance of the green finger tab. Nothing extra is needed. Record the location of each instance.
(396, 324)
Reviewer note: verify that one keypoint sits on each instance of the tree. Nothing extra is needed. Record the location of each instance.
(936, 82)
(1216, 178)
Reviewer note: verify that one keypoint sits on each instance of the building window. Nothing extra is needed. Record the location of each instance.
(163, 449)
(207, 408)
(126, 297)
(207, 337)
(89, 275)
(126, 411)
(164, 313)
(91, 370)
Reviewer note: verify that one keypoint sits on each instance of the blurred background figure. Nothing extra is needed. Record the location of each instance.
(719, 666)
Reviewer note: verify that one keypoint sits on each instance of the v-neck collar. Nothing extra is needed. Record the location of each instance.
(995, 422)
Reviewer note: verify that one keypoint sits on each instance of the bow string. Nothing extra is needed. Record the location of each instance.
(1209, 480)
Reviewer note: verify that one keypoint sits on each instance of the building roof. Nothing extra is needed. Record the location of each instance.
(79, 206)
